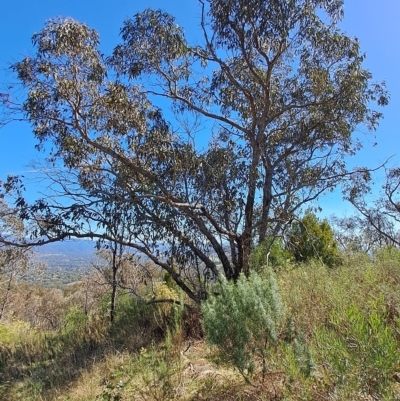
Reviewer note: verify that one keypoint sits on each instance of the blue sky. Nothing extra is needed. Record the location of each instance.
(376, 24)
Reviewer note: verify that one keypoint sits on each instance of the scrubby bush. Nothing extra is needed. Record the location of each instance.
(310, 238)
(272, 253)
(242, 319)
(136, 323)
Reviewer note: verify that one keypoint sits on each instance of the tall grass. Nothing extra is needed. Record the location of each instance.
(34, 361)
(351, 318)
(339, 340)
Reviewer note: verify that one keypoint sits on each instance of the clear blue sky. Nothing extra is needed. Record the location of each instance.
(376, 24)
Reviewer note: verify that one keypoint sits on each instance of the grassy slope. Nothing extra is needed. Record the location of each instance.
(349, 316)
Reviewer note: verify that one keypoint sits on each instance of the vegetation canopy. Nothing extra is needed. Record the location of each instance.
(275, 87)
(310, 238)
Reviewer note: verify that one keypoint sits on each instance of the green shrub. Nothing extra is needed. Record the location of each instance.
(242, 319)
(74, 323)
(310, 238)
(135, 324)
(160, 366)
(160, 369)
(269, 253)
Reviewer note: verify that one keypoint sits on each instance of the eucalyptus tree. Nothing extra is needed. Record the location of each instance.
(277, 87)
(380, 217)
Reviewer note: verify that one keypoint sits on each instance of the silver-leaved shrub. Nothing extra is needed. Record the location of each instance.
(243, 319)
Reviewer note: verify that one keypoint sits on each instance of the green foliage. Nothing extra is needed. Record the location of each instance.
(111, 392)
(298, 359)
(282, 72)
(361, 348)
(350, 317)
(388, 256)
(131, 311)
(271, 252)
(13, 332)
(75, 322)
(161, 367)
(136, 323)
(158, 368)
(243, 319)
(310, 238)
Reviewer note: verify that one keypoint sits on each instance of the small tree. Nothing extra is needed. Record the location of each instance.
(242, 319)
(109, 264)
(14, 261)
(310, 238)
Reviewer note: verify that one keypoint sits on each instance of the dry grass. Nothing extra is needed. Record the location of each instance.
(197, 379)
(350, 317)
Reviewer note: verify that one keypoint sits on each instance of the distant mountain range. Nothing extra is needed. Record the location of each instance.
(70, 247)
(66, 261)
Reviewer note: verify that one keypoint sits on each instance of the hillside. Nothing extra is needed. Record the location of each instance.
(344, 344)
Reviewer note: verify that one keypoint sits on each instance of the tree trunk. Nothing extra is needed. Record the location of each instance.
(114, 286)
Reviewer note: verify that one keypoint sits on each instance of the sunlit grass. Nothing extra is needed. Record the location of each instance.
(349, 318)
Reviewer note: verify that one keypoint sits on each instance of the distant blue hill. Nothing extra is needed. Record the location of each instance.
(70, 247)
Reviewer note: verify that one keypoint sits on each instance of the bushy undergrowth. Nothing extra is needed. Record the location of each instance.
(361, 349)
(317, 333)
(247, 322)
(49, 360)
(351, 318)
(243, 319)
